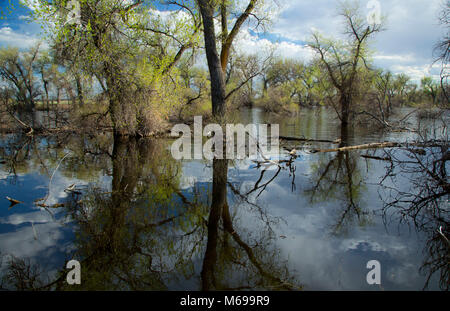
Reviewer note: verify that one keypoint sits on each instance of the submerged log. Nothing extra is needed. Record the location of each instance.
(375, 158)
(358, 147)
(289, 138)
(426, 144)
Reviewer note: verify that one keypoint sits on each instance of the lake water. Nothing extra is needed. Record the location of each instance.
(136, 218)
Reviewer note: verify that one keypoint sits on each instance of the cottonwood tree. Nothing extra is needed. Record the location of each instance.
(343, 60)
(17, 69)
(298, 81)
(128, 46)
(217, 63)
(43, 68)
(430, 89)
(242, 70)
(386, 91)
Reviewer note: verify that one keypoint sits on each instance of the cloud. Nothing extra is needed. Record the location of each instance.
(31, 4)
(406, 45)
(418, 72)
(9, 37)
(251, 44)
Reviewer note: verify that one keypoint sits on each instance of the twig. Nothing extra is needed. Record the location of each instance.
(51, 178)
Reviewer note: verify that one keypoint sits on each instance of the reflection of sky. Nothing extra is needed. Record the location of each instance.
(318, 259)
(322, 261)
(29, 231)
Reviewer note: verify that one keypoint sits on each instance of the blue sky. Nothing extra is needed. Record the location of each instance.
(406, 46)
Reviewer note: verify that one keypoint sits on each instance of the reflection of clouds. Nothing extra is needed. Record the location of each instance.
(17, 219)
(401, 275)
(194, 172)
(51, 240)
(3, 175)
(325, 262)
(59, 184)
(366, 245)
(22, 243)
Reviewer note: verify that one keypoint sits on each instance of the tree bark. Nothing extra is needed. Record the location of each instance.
(359, 147)
(122, 110)
(214, 64)
(345, 108)
(80, 94)
(228, 42)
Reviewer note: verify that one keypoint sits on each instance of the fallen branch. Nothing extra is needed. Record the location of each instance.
(432, 143)
(375, 158)
(337, 141)
(443, 235)
(23, 124)
(51, 179)
(365, 146)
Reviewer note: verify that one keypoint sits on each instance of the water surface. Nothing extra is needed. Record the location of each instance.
(138, 219)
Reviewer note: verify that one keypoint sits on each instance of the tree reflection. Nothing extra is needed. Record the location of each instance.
(338, 177)
(230, 262)
(424, 203)
(145, 233)
(112, 224)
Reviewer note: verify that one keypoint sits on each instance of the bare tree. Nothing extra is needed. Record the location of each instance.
(442, 49)
(343, 60)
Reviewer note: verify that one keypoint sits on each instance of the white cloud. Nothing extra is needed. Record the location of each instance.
(417, 72)
(9, 37)
(17, 219)
(248, 44)
(396, 58)
(22, 243)
(406, 46)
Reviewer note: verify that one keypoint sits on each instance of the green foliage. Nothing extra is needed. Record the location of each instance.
(129, 48)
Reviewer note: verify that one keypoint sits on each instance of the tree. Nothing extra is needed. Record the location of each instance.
(342, 61)
(126, 45)
(400, 84)
(217, 63)
(430, 88)
(216, 71)
(241, 73)
(384, 85)
(42, 67)
(17, 69)
(442, 49)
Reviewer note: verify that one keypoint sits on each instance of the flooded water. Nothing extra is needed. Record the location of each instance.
(137, 219)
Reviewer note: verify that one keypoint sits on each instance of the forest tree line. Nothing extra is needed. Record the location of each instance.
(140, 68)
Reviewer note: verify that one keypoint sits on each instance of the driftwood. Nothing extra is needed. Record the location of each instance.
(375, 158)
(337, 141)
(13, 201)
(428, 144)
(364, 146)
(31, 130)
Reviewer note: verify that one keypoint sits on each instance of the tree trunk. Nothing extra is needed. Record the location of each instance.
(345, 108)
(123, 117)
(58, 97)
(214, 64)
(121, 107)
(219, 201)
(79, 91)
